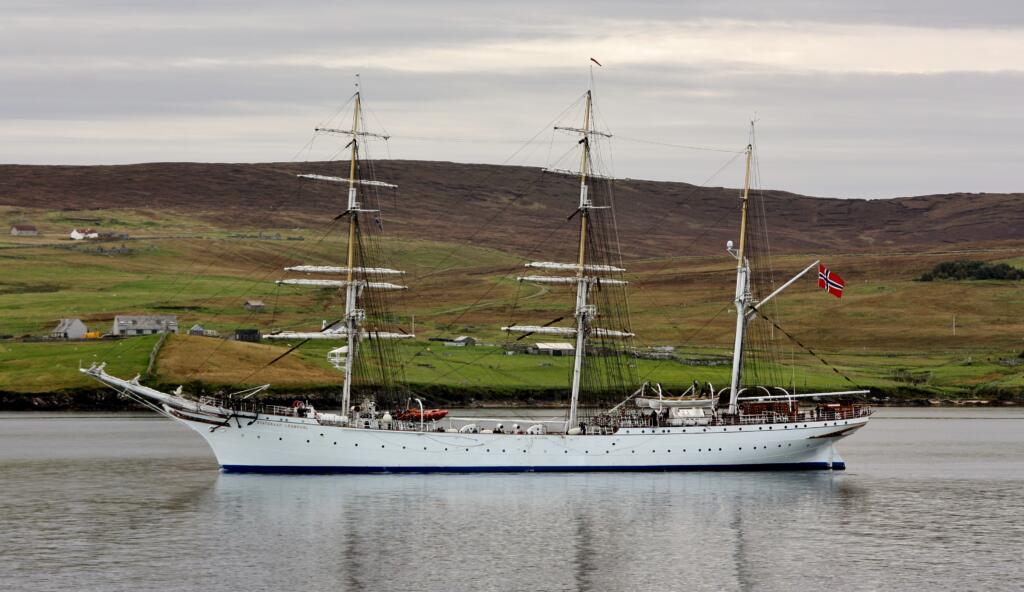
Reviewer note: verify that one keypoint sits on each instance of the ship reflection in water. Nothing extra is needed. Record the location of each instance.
(927, 504)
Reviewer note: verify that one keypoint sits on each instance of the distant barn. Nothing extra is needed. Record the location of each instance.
(460, 341)
(126, 325)
(254, 305)
(24, 230)
(202, 331)
(250, 335)
(556, 348)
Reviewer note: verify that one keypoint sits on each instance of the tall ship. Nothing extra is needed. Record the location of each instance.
(612, 421)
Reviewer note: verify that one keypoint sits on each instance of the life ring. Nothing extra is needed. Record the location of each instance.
(297, 404)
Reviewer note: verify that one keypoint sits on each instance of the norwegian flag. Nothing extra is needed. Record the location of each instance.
(830, 282)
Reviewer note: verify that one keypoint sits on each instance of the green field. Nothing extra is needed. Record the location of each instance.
(889, 332)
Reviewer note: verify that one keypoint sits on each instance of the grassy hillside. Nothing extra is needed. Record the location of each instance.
(889, 331)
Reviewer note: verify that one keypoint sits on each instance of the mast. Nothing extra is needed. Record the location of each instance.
(359, 271)
(584, 275)
(351, 289)
(743, 295)
(582, 285)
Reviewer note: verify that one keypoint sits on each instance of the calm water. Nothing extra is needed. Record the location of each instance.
(933, 500)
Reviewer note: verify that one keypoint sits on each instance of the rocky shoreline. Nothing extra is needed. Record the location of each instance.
(102, 399)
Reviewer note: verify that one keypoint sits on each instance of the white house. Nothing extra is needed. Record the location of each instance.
(126, 325)
(83, 233)
(69, 329)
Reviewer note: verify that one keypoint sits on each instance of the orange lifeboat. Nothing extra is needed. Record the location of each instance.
(428, 414)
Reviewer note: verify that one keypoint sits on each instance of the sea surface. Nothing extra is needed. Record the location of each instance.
(933, 500)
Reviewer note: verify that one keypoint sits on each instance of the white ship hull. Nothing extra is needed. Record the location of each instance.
(247, 441)
(303, 446)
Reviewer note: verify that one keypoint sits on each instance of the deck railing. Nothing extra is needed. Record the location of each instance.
(250, 407)
(816, 414)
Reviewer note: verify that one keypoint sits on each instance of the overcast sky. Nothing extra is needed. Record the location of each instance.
(874, 98)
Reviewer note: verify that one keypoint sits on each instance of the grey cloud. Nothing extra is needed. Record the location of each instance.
(863, 135)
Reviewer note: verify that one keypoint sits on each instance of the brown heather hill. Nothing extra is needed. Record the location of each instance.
(515, 208)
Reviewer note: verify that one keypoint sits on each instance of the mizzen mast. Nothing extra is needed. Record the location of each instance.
(743, 294)
(585, 276)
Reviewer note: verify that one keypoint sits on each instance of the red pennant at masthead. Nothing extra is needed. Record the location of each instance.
(830, 282)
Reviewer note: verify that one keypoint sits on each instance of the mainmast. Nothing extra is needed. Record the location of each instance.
(743, 295)
(356, 271)
(585, 274)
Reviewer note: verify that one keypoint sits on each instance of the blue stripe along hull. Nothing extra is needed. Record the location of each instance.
(808, 466)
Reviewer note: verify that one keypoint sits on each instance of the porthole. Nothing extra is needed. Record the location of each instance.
(321, 435)
(403, 447)
(446, 450)
(769, 427)
(257, 437)
(424, 448)
(307, 441)
(741, 448)
(382, 446)
(357, 443)
(719, 449)
(280, 439)
(760, 427)
(488, 450)
(335, 443)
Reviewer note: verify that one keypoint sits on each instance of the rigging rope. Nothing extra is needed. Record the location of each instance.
(809, 350)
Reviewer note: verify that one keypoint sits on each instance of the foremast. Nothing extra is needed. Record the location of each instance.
(585, 274)
(352, 318)
(357, 276)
